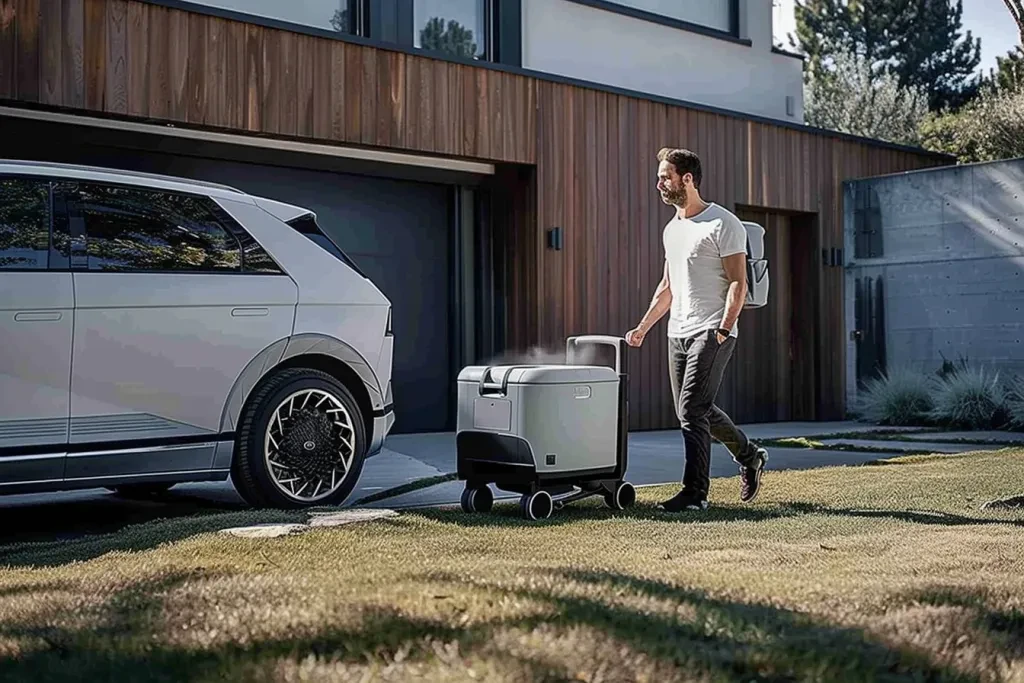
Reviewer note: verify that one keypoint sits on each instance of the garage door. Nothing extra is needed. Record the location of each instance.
(397, 231)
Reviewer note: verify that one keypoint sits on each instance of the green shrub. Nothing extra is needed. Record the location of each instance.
(1015, 403)
(969, 398)
(903, 397)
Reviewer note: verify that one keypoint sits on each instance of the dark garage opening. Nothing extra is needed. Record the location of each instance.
(406, 228)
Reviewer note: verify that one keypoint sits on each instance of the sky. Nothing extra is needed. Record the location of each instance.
(985, 19)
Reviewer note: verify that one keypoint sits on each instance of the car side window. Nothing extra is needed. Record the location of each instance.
(130, 229)
(24, 224)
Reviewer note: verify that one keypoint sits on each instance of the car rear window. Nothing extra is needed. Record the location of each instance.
(307, 225)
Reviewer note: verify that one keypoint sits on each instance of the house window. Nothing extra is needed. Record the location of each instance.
(719, 15)
(453, 27)
(343, 16)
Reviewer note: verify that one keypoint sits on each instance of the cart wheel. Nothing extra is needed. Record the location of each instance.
(623, 497)
(477, 499)
(537, 505)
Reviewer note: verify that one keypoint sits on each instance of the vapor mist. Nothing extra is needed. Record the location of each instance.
(538, 355)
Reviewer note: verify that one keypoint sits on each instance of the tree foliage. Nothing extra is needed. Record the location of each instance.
(848, 96)
(921, 42)
(454, 39)
(987, 129)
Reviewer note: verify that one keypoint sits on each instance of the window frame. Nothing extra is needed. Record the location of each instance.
(390, 24)
(731, 35)
(63, 216)
(52, 254)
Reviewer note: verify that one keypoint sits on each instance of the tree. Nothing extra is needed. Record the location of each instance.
(1008, 76)
(920, 41)
(845, 94)
(340, 21)
(987, 129)
(455, 39)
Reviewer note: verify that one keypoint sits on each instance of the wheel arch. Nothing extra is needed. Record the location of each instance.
(317, 352)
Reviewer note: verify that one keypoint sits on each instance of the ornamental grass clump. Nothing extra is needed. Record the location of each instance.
(1015, 403)
(969, 398)
(902, 397)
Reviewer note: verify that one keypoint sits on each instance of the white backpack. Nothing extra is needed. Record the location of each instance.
(757, 267)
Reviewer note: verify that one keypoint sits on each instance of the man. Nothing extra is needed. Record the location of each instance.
(703, 287)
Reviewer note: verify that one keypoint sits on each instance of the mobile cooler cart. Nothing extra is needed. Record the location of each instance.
(545, 430)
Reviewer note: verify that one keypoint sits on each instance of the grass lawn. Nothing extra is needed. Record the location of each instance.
(886, 572)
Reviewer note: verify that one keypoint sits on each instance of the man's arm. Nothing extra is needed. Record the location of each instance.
(660, 303)
(736, 273)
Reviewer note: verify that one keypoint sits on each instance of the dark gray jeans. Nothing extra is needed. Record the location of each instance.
(696, 365)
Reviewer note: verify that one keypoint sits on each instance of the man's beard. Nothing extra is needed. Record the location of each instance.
(674, 197)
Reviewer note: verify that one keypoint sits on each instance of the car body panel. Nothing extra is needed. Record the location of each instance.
(148, 371)
(156, 355)
(36, 318)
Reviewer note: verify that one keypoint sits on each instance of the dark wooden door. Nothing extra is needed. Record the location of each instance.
(773, 374)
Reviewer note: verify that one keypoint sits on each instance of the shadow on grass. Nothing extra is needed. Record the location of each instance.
(1005, 624)
(58, 518)
(506, 514)
(696, 636)
(147, 534)
(125, 640)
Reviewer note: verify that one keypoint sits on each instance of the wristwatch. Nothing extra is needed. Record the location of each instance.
(722, 331)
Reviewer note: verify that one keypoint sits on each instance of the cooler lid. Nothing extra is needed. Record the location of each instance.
(539, 374)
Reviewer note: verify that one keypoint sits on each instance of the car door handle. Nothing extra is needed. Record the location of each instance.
(38, 316)
(249, 312)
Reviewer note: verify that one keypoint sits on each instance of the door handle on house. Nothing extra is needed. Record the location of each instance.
(38, 316)
(249, 312)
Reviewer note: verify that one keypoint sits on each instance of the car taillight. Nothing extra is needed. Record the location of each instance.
(387, 330)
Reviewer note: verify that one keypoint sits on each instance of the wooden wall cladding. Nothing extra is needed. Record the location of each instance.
(596, 165)
(138, 59)
(591, 157)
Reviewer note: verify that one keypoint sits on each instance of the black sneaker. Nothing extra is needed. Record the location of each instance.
(683, 500)
(750, 477)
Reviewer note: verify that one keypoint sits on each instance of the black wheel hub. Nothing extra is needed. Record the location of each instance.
(310, 445)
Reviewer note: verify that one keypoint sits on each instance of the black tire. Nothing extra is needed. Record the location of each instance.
(479, 499)
(537, 505)
(140, 491)
(623, 497)
(249, 470)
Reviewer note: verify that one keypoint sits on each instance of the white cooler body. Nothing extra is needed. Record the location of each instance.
(553, 420)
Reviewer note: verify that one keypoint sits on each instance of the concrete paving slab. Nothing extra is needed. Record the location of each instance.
(783, 430)
(388, 469)
(435, 450)
(1000, 437)
(895, 446)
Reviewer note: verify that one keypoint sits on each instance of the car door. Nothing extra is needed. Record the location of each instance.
(36, 308)
(173, 300)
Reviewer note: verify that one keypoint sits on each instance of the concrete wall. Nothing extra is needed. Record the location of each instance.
(952, 266)
(579, 41)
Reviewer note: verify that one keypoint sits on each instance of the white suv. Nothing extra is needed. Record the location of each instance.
(157, 330)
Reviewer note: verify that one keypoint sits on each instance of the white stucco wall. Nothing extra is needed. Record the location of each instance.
(578, 41)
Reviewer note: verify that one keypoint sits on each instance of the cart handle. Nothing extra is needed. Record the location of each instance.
(500, 388)
(618, 343)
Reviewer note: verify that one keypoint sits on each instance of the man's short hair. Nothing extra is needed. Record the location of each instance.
(685, 162)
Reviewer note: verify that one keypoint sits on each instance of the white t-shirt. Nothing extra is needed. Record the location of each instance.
(694, 249)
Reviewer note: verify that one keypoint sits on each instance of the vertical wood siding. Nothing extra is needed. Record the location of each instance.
(591, 171)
